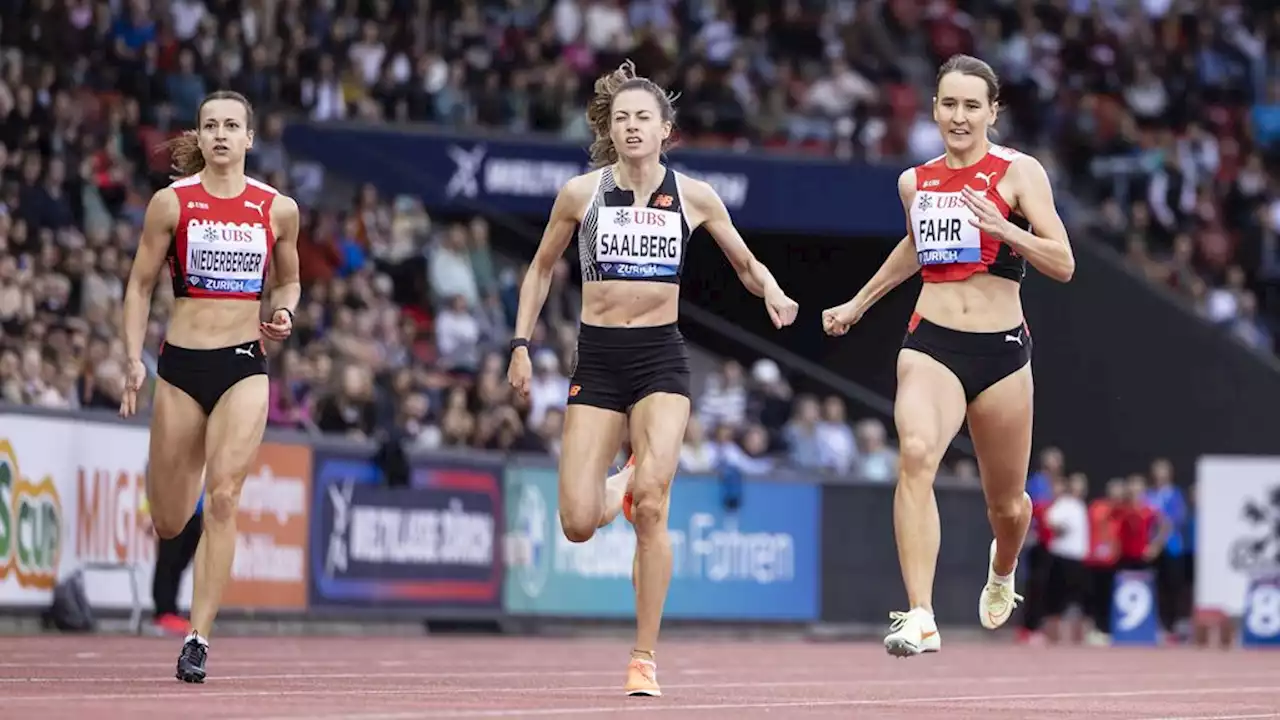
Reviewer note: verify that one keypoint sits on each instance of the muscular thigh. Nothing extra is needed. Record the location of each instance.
(658, 424)
(928, 410)
(1000, 422)
(177, 449)
(590, 442)
(235, 432)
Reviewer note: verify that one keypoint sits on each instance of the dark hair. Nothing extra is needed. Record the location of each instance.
(600, 109)
(969, 65)
(184, 151)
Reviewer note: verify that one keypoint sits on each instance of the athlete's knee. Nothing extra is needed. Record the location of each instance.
(223, 501)
(1007, 509)
(168, 525)
(578, 523)
(649, 489)
(917, 457)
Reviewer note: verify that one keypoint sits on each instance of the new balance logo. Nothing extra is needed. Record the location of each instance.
(245, 351)
(255, 206)
(1014, 338)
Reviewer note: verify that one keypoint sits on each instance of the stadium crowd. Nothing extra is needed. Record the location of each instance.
(1166, 119)
(404, 322)
(1168, 122)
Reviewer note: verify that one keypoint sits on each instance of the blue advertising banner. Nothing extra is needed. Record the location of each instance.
(759, 563)
(521, 176)
(432, 544)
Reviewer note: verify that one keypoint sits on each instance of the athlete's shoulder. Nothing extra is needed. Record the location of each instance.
(907, 182)
(257, 185)
(282, 204)
(692, 188)
(1006, 153)
(586, 181)
(579, 189)
(190, 182)
(165, 200)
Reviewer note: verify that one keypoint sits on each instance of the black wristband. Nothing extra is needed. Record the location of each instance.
(273, 312)
(518, 343)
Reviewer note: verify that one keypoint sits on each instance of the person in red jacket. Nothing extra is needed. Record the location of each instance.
(1141, 530)
(1104, 551)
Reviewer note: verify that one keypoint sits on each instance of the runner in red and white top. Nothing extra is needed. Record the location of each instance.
(967, 354)
(227, 240)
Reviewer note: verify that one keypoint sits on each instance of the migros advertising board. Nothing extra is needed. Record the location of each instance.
(71, 494)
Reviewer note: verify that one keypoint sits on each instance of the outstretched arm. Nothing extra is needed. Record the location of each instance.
(902, 263)
(755, 277)
(153, 246)
(555, 238)
(286, 286)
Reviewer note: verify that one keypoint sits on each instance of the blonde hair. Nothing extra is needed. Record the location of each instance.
(185, 156)
(600, 109)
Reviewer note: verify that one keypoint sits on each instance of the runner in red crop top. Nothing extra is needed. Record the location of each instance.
(221, 234)
(967, 351)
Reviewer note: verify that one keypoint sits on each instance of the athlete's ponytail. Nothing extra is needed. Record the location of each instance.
(185, 156)
(600, 109)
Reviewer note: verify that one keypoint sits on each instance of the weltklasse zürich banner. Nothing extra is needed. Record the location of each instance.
(431, 544)
(521, 176)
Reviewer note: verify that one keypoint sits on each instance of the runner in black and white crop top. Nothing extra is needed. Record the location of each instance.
(617, 241)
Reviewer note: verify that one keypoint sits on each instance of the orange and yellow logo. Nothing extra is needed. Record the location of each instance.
(30, 525)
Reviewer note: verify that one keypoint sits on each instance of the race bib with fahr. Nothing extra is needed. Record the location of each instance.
(226, 257)
(639, 242)
(943, 233)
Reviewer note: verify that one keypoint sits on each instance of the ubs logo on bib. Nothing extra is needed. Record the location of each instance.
(642, 217)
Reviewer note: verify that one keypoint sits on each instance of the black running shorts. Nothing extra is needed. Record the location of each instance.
(978, 360)
(616, 367)
(206, 375)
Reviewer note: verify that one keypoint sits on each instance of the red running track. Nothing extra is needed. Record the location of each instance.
(73, 678)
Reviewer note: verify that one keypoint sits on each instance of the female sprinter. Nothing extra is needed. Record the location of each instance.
(634, 218)
(218, 231)
(967, 351)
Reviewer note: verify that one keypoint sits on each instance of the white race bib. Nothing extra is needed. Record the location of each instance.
(943, 233)
(639, 242)
(226, 257)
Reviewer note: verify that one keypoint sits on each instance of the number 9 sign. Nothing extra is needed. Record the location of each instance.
(1133, 608)
(1262, 613)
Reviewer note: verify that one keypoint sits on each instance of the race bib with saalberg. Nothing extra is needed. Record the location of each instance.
(943, 231)
(226, 257)
(639, 242)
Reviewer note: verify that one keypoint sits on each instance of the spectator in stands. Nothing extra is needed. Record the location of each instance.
(697, 455)
(549, 388)
(836, 436)
(1040, 484)
(1104, 554)
(1141, 530)
(876, 461)
(769, 399)
(805, 448)
(1067, 518)
(730, 454)
(349, 409)
(1170, 565)
(724, 398)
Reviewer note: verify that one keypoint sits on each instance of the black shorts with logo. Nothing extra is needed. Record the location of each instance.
(616, 367)
(978, 360)
(206, 375)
